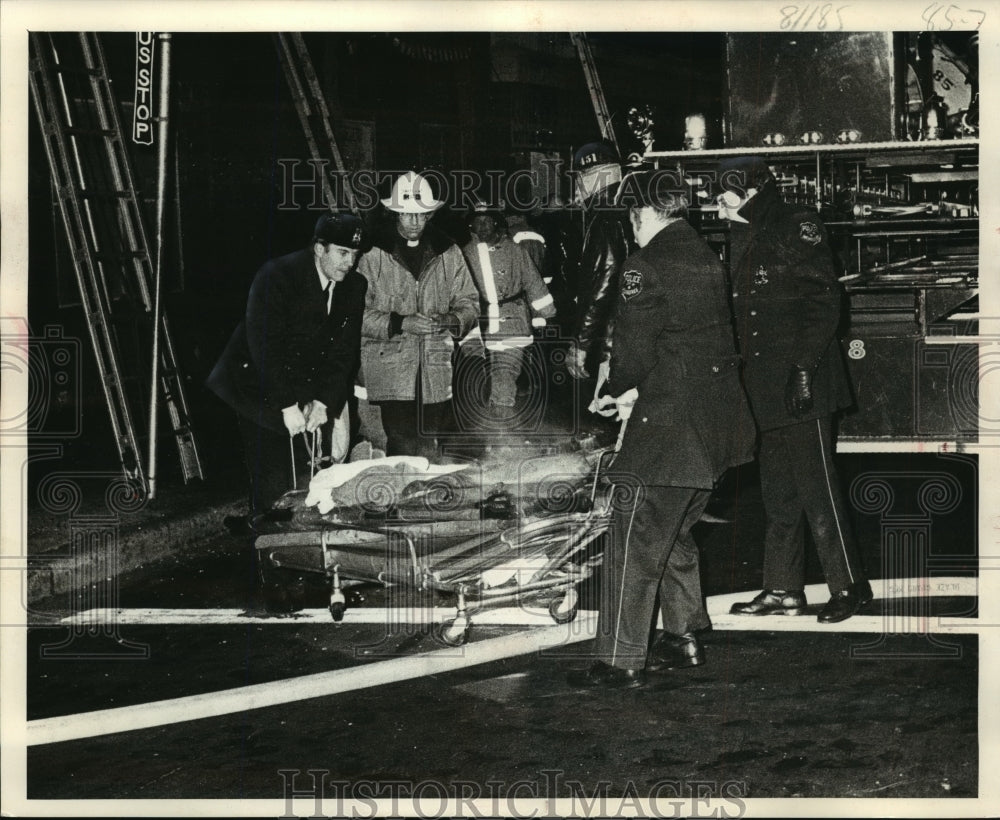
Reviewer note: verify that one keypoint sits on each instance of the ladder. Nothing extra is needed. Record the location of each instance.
(594, 87)
(314, 115)
(101, 215)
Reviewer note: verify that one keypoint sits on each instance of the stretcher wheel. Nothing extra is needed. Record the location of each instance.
(454, 632)
(563, 608)
(337, 610)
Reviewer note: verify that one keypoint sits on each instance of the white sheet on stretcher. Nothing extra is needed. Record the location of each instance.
(333, 477)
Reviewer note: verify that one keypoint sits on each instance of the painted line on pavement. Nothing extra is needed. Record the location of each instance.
(258, 696)
(718, 609)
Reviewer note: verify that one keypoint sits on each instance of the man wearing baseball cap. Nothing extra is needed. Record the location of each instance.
(289, 367)
(421, 299)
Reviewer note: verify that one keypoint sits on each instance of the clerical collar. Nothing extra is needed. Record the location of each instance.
(412, 243)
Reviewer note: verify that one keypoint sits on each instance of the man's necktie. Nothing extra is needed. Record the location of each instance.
(328, 292)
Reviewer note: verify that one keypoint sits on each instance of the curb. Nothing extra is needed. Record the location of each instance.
(105, 553)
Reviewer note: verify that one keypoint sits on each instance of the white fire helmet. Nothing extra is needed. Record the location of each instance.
(411, 194)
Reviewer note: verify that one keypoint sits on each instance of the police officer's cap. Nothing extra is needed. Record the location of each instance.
(651, 188)
(345, 230)
(593, 154)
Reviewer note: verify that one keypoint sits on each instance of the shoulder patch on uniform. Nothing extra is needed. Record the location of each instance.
(631, 283)
(809, 233)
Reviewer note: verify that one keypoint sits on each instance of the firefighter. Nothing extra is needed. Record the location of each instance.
(514, 301)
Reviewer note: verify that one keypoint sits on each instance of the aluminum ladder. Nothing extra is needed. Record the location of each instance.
(314, 114)
(82, 134)
(594, 87)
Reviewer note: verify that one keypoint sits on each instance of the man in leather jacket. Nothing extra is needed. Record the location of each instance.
(601, 231)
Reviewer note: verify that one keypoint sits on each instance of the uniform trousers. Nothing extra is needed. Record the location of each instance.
(799, 484)
(651, 552)
(268, 458)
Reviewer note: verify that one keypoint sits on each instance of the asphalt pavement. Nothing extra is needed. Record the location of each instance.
(885, 707)
(818, 713)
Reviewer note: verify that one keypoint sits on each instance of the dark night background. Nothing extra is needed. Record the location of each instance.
(471, 101)
(446, 101)
(793, 714)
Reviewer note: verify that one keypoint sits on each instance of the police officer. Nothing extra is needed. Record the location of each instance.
(289, 367)
(787, 304)
(674, 350)
(602, 239)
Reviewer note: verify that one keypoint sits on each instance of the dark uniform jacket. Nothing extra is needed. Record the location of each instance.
(288, 350)
(605, 242)
(674, 343)
(787, 303)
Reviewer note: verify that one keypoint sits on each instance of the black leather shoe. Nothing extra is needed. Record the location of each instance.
(604, 676)
(842, 605)
(773, 602)
(671, 651)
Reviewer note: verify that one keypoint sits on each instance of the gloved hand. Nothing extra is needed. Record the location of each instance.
(418, 324)
(620, 406)
(294, 421)
(447, 322)
(315, 415)
(605, 405)
(798, 391)
(575, 361)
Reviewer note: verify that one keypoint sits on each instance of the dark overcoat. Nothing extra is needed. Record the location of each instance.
(674, 343)
(787, 302)
(288, 350)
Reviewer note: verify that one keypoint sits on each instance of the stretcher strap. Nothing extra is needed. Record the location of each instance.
(314, 443)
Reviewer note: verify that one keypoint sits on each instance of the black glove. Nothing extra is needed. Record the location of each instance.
(798, 391)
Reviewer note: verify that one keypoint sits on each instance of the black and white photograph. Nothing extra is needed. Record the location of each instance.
(499, 409)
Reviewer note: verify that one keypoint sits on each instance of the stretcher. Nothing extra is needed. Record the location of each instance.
(520, 531)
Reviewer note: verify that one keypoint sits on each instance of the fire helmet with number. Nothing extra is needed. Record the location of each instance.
(411, 194)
